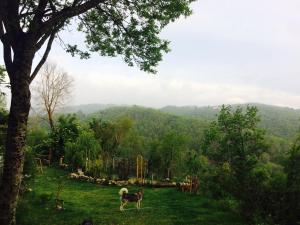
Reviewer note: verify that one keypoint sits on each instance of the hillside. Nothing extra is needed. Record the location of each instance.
(154, 124)
(279, 121)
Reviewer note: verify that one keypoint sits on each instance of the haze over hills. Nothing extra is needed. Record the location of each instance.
(278, 121)
(86, 108)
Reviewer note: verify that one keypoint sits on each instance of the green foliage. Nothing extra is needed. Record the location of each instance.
(281, 123)
(127, 28)
(234, 154)
(131, 29)
(236, 163)
(96, 167)
(170, 147)
(153, 124)
(132, 145)
(82, 152)
(235, 139)
(235, 144)
(293, 184)
(67, 129)
(110, 136)
(39, 140)
(152, 133)
(277, 121)
(197, 165)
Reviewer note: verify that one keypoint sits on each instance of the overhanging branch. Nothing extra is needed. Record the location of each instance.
(6, 46)
(45, 56)
(38, 15)
(70, 12)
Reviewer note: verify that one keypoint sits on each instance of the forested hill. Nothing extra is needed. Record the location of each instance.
(279, 121)
(155, 123)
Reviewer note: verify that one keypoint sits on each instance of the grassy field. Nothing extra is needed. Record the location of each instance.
(101, 204)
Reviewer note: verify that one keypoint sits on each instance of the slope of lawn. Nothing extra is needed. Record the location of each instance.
(101, 204)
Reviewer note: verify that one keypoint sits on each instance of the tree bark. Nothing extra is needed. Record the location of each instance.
(16, 134)
(51, 123)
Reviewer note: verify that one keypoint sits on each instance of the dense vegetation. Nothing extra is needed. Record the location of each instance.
(278, 121)
(252, 171)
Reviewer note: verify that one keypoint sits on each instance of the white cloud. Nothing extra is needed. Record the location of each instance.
(228, 51)
(158, 91)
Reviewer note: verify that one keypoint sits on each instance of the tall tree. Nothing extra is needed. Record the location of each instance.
(127, 28)
(234, 144)
(171, 145)
(53, 89)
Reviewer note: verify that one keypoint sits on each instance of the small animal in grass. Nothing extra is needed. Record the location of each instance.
(125, 197)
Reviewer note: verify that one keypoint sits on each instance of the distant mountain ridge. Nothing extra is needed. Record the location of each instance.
(279, 121)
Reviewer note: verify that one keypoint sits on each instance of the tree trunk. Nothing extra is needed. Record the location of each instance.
(16, 135)
(51, 123)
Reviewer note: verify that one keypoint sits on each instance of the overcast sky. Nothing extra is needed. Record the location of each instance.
(228, 51)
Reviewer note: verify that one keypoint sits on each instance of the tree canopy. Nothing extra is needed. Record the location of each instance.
(127, 28)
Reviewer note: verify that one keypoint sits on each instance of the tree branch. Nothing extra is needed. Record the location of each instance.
(45, 56)
(70, 12)
(52, 6)
(39, 13)
(6, 46)
(1, 28)
(43, 39)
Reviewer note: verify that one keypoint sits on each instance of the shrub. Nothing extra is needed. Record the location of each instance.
(96, 168)
(83, 151)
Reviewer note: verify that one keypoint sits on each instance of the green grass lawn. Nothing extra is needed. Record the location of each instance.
(101, 204)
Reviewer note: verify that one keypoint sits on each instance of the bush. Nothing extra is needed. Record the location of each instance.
(96, 168)
(83, 151)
